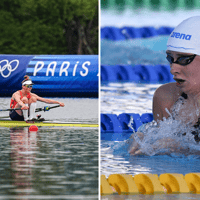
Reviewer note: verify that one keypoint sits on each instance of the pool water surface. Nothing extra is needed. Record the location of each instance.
(117, 98)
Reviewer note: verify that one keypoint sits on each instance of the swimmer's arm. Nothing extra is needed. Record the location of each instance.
(157, 106)
(134, 146)
(167, 143)
(164, 98)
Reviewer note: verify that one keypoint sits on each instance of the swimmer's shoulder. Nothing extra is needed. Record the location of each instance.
(164, 98)
(168, 91)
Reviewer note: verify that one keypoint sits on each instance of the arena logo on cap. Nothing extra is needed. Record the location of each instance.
(181, 36)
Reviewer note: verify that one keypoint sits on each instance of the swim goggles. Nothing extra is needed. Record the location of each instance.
(29, 86)
(183, 60)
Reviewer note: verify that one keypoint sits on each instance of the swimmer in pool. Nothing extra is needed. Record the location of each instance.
(183, 55)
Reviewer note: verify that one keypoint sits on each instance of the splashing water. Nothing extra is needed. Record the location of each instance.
(170, 136)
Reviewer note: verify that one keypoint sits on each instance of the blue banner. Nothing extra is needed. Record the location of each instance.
(12, 71)
(52, 75)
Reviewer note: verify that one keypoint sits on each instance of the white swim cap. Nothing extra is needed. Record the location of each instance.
(186, 36)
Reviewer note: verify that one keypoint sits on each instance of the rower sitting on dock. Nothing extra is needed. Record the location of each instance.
(27, 101)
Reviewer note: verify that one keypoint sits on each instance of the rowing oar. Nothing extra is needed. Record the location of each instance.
(46, 108)
(10, 109)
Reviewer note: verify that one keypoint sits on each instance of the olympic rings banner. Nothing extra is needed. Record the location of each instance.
(52, 75)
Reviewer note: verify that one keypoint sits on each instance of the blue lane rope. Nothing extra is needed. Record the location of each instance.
(136, 73)
(117, 128)
(124, 33)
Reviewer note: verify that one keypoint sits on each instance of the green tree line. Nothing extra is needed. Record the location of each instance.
(49, 27)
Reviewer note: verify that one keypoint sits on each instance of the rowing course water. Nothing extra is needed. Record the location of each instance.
(55, 162)
(76, 109)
